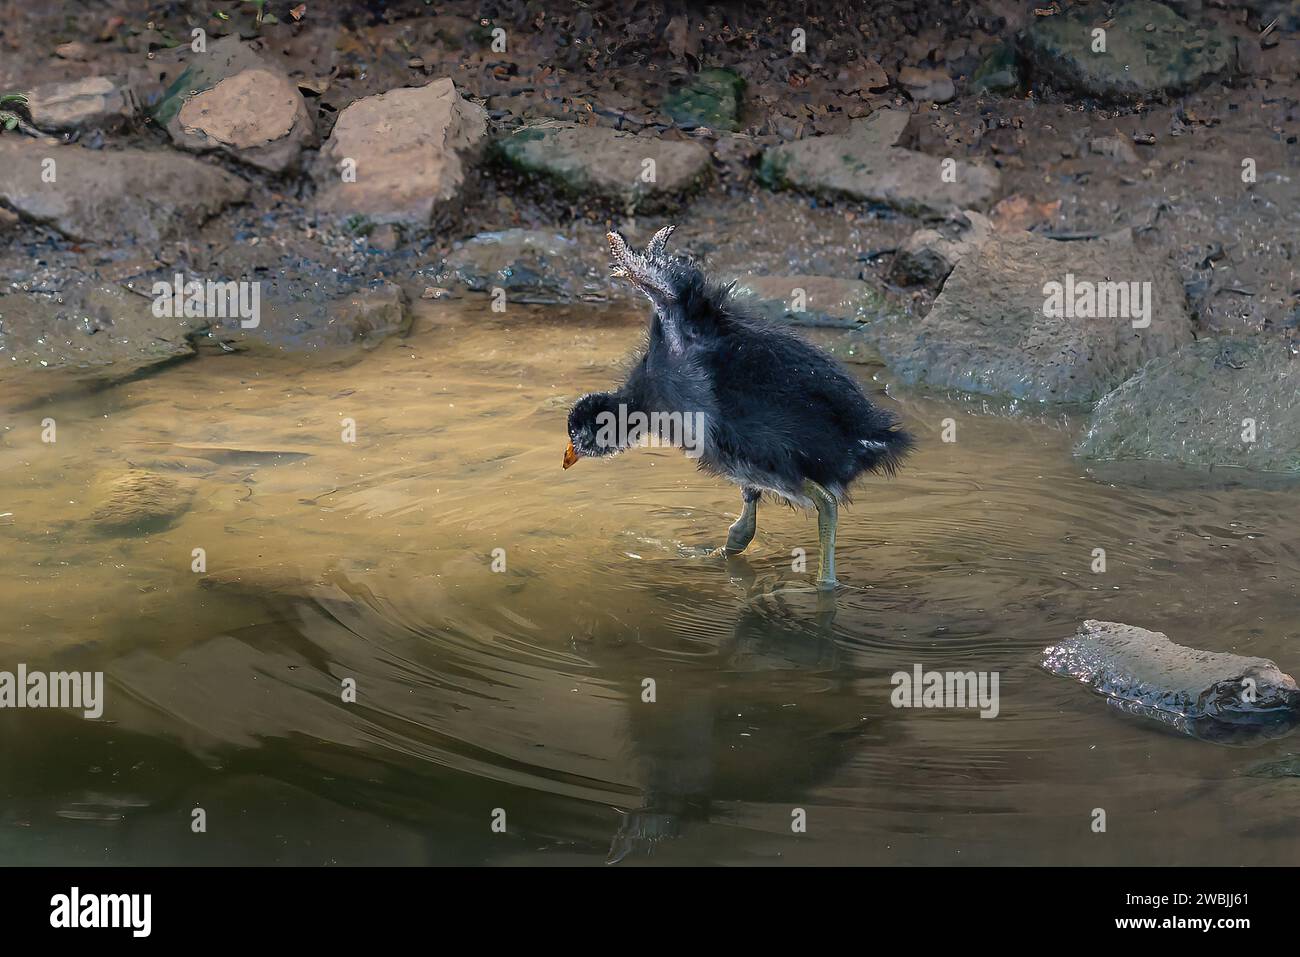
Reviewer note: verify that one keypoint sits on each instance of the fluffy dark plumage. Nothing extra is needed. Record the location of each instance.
(778, 410)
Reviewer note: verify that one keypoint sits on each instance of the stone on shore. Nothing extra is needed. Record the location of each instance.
(926, 86)
(593, 162)
(1214, 403)
(989, 331)
(232, 99)
(1149, 50)
(531, 265)
(95, 103)
(113, 196)
(401, 157)
(105, 332)
(814, 300)
(929, 255)
(863, 164)
(711, 99)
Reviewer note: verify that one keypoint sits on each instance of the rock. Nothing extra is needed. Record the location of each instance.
(1149, 50)
(1211, 695)
(1287, 766)
(257, 116)
(926, 85)
(138, 502)
(987, 331)
(1017, 213)
(412, 151)
(72, 51)
(595, 162)
(929, 255)
(299, 316)
(104, 331)
(8, 220)
(97, 102)
(711, 99)
(999, 73)
(369, 316)
(1192, 406)
(1116, 147)
(272, 582)
(864, 164)
(386, 238)
(114, 196)
(814, 300)
(531, 265)
(231, 99)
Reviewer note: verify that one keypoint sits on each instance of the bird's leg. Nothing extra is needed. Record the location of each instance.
(827, 516)
(741, 532)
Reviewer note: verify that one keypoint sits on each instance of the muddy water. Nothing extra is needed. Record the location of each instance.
(519, 692)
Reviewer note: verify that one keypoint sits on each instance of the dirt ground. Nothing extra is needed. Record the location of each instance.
(607, 64)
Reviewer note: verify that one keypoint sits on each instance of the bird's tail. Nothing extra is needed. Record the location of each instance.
(885, 450)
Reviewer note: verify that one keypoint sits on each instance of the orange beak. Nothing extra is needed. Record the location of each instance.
(570, 455)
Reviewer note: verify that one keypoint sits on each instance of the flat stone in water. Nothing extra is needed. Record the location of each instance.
(1214, 696)
(139, 502)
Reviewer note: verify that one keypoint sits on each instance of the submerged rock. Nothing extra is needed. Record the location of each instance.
(114, 196)
(864, 164)
(711, 99)
(402, 157)
(270, 582)
(1216, 402)
(233, 100)
(989, 333)
(1287, 766)
(592, 162)
(138, 502)
(1149, 50)
(97, 102)
(1210, 695)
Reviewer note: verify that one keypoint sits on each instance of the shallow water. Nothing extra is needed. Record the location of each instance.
(522, 690)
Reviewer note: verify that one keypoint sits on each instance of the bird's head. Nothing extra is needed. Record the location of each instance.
(592, 428)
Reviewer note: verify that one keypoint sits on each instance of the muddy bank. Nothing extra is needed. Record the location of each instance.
(322, 154)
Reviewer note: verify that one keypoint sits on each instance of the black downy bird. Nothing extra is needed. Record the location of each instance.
(778, 415)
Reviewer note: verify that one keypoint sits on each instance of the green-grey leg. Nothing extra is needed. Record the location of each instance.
(827, 516)
(741, 532)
